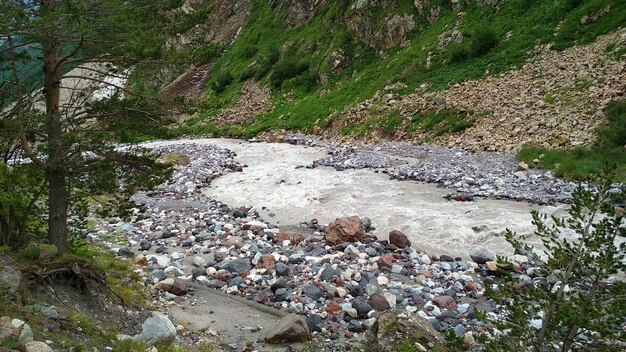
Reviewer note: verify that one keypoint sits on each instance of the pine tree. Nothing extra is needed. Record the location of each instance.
(579, 301)
(71, 139)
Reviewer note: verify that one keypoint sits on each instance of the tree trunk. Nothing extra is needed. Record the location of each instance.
(56, 172)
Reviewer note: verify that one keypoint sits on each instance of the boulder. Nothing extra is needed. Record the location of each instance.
(392, 329)
(291, 328)
(157, 329)
(238, 266)
(266, 261)
(446, 302)
(399, 239)
(347, 229)
(482, 255)
(378, 302)
(37, 346)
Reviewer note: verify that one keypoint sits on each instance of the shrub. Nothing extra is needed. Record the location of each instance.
(458, 53)
(483, 40)
(249, 51)
(614, 133)
(286, 69)
(248, 73)
(222, 82)
(578, 305)
(205, 54)
(389, 124)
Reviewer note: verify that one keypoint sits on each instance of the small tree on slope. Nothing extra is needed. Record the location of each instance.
(580, 305)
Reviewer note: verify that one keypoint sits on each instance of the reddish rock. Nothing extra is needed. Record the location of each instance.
(333, 307)
(297, 238)
(378, 302)
(143, 261)
(426, 273)
(470, 286)
(223, 275)
(281, 237)
(179, 288)
(446, 302)
(266, 262)
(348, 229)
(172, 286)
(399, 239)
(386, 261)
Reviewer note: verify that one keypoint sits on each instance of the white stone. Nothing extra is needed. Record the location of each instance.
(382, 280)
(198, 261)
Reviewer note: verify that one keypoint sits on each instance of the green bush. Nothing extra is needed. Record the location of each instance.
(249, 51)
(248, 73)
(482, 41)
(392, 122)
(614, 133)
(458, 53)
(222, 82)
(285, 69)
(205, 54)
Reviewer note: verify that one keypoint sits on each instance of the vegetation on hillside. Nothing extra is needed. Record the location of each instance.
(579, 163)
(307, 92)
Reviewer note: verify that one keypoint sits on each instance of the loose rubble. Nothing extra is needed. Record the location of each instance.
(486, 174)
(339, 278)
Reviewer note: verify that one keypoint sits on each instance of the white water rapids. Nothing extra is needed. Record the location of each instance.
(291, 196)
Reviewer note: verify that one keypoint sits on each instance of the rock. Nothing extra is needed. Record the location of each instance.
(313, 322)
(362, 307)
(199, 261)
(157, 329)
(37, 346)
(282, 269)
(446, 302)
(386, 261)
(446, 258)
(482, 255)
(313, 291)
(238, 266)
(378, 302)
(522, 166)
(328, 273)
(392, 329)
(347, 229)
(291, 328)
(173, 286)
(267, 262)
(162, 260)
(399, 239)
(26, 335)
(47, 312)
(355, 326)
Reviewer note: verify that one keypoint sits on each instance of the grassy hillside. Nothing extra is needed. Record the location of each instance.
(295, 62)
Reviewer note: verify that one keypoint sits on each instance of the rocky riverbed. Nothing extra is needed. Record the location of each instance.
(344, 277)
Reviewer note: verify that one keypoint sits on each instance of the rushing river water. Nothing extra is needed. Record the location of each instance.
(285, 193)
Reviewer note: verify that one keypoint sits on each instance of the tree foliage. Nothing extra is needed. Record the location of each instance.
(64, 137)
(579, 302)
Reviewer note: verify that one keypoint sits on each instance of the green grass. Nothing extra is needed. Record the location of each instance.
(579, 163)
(440, 122)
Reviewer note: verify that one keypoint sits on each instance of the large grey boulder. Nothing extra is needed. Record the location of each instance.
(157, 329)
(291, 328)
(482, 255)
